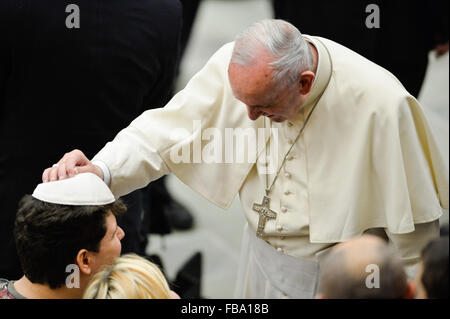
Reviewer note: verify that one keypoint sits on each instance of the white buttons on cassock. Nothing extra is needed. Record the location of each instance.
(287, 192)
(279, 227)
(284, 209)
(287, 175)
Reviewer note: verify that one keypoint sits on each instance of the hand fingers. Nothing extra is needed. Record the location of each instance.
(66, 167)
(46, 175)
(73, 160)
(60, 171)
(86, 169)
(54, 173)
(62, 174)
(50, 174)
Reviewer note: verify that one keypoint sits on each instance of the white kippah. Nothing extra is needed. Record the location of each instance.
(85, 189)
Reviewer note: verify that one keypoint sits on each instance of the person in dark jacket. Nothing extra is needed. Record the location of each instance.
(112, 59)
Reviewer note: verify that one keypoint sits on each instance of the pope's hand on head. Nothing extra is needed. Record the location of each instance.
(72, 163)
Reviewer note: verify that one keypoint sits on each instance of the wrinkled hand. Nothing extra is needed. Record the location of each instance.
(71, 164)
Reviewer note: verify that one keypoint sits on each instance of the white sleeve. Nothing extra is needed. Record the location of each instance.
(409, 246)
(142, 152)
(105, 170)
(133, 163)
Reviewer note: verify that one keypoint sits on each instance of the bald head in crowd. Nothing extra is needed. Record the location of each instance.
(364, 268)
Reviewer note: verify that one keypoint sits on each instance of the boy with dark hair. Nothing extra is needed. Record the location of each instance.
(65, 233)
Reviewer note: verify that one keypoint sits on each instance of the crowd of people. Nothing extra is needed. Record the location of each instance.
(351, 211)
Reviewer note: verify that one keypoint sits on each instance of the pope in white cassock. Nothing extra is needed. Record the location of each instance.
(354, 154)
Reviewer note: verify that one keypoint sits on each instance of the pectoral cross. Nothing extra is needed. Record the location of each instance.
(265, 213)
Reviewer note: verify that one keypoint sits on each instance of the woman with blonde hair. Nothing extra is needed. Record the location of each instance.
(130, 277)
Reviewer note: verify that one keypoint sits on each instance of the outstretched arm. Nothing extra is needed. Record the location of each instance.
(142, 152)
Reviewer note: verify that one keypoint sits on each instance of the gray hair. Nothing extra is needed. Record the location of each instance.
(284, 42)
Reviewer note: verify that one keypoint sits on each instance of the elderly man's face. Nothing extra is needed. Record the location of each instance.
(253, 86)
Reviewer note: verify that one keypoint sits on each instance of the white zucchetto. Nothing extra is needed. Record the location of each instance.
(84, 189)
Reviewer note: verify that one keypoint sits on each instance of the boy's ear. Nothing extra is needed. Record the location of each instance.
(84, 261)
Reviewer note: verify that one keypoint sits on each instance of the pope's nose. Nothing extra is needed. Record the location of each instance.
(253, 113)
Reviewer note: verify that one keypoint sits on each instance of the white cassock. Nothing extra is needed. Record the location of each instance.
(366, 161)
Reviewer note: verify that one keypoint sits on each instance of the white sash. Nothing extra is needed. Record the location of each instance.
(265, 273)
